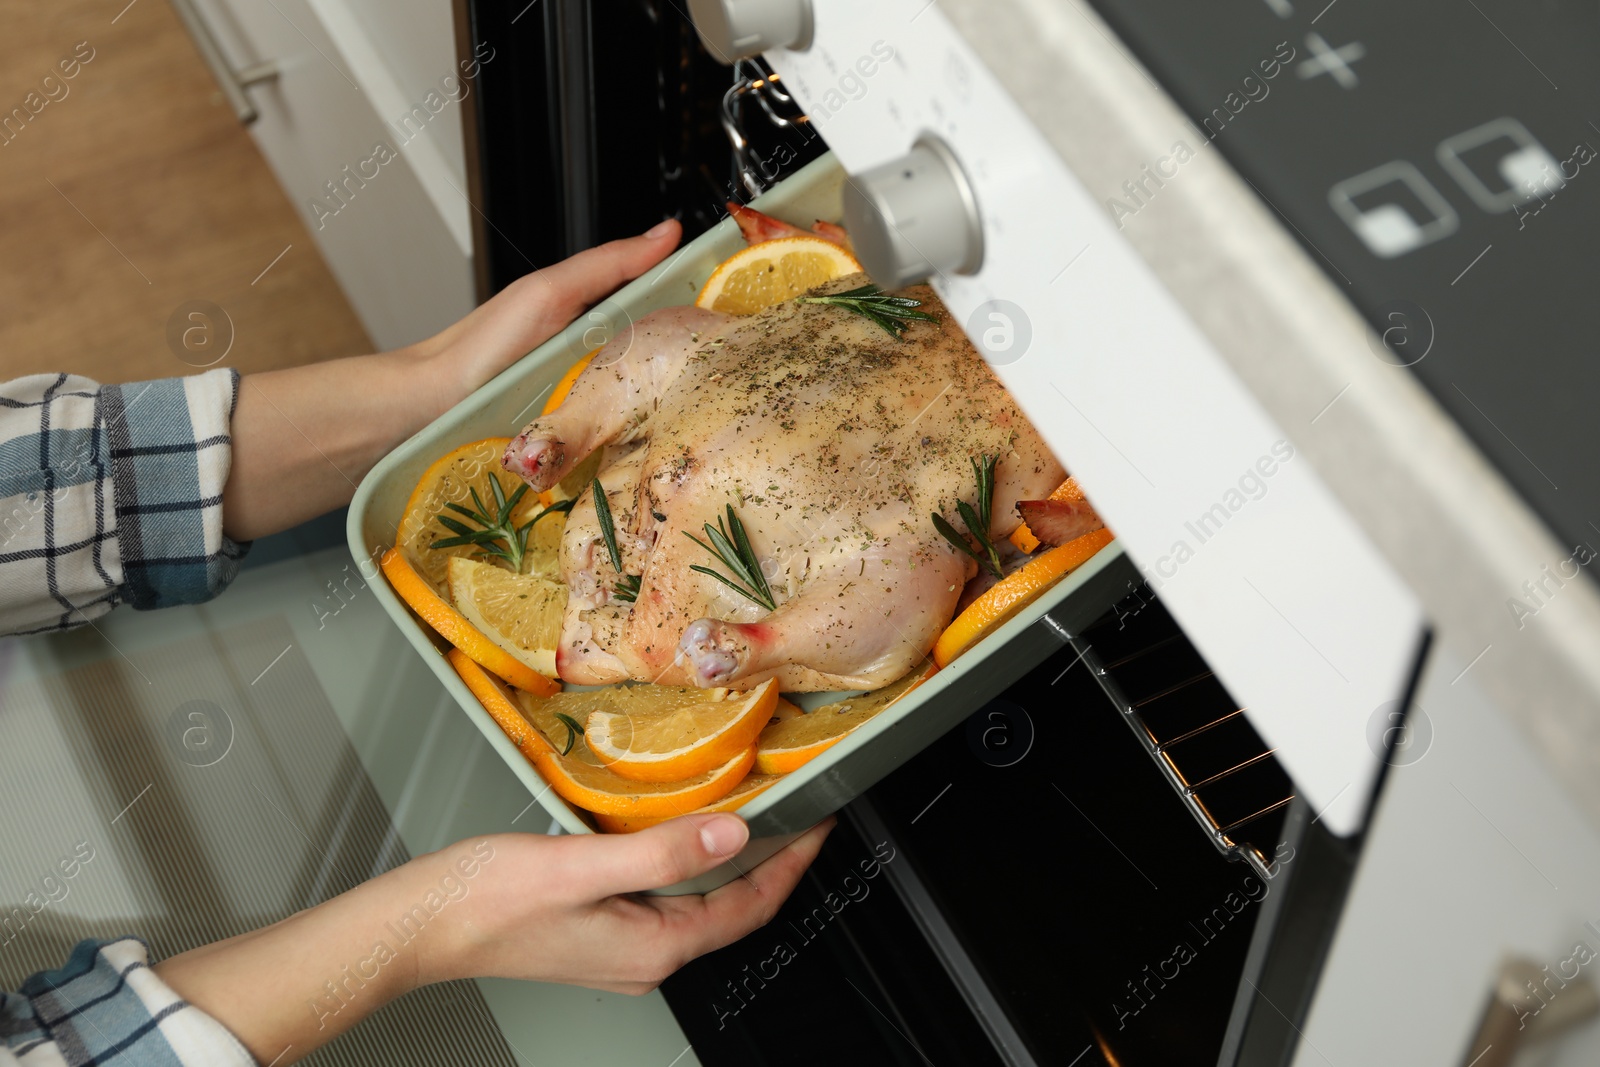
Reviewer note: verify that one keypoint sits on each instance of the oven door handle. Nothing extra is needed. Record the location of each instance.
(1528, 1004)
(233, 83)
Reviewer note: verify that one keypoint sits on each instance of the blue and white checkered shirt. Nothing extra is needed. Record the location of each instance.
(111, 494)
(106, 1006)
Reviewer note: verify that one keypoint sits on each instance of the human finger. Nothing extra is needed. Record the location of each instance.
(748, 903)
(662, 855)
(581, 280)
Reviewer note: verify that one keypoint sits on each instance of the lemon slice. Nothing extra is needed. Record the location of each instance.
(543, 557)
(519, 612)
(658, 733)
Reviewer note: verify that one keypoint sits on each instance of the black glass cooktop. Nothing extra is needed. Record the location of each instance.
(1441, 160)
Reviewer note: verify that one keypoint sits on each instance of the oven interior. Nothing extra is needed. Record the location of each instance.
(608, 119)
(1033, 887)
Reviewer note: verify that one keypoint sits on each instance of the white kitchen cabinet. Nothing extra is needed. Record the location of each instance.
(362, 128)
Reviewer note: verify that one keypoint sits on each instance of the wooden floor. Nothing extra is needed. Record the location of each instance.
(135, 193)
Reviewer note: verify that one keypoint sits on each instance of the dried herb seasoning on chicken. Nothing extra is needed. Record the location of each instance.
(833, 438)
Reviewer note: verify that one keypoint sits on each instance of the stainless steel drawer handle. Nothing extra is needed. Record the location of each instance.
(1528, 1004)
(232, 82)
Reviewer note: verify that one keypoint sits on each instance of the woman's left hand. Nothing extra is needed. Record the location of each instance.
(303, 438)
(536, 307)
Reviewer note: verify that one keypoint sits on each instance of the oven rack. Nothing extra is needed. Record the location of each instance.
(1226, 775)
(754, 80)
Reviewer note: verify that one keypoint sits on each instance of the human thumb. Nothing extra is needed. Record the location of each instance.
(665, 854)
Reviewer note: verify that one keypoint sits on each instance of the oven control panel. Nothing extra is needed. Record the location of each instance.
(1274, 582)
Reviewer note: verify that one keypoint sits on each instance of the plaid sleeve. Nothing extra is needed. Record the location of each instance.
(106, 1006)
(111, 494)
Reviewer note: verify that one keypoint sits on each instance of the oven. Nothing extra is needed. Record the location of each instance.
(1032, 888)
(1302, 292)
(609, 119)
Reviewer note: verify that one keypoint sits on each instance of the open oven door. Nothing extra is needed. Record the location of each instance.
(1218, 343)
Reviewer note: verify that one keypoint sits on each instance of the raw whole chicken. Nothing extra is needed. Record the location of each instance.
(832, 439)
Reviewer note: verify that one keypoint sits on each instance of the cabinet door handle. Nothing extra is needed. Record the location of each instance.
(1527, 1004)
(232, 82)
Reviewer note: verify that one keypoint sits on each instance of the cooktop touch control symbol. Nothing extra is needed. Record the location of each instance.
(1334, 62)
(1500, 164)
(1393, 209)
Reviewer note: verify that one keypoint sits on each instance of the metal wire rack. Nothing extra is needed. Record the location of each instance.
(754, 81)
(1226, 775)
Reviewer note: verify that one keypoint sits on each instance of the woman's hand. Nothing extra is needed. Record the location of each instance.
(303, 438)
(554, 909)
(533, 309)
(560, 909)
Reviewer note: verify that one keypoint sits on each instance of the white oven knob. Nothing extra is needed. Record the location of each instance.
(738, 29)
(914, 217)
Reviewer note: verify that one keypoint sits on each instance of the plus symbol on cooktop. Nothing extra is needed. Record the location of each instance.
(1332, 61)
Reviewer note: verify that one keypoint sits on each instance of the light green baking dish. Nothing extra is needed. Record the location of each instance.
(847, 769)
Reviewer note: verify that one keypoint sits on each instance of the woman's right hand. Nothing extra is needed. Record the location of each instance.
(554, 909)
(563, 909)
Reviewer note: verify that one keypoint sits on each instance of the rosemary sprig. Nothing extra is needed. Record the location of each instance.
(627, 587)
(893, 313)
(496, 525)
(574, 730)
(731, 545)
(976, 519)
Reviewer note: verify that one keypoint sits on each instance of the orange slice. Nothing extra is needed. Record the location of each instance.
(578, 777)
(595, 788)
(1013, 593)
(564, 386)
(785, 710)
(745, 790)
(449, 481)
(521, 613)
(677, 732)
(450, 625)
(771, 272)
(789, 743)
(1023, 537)
(501, 708)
